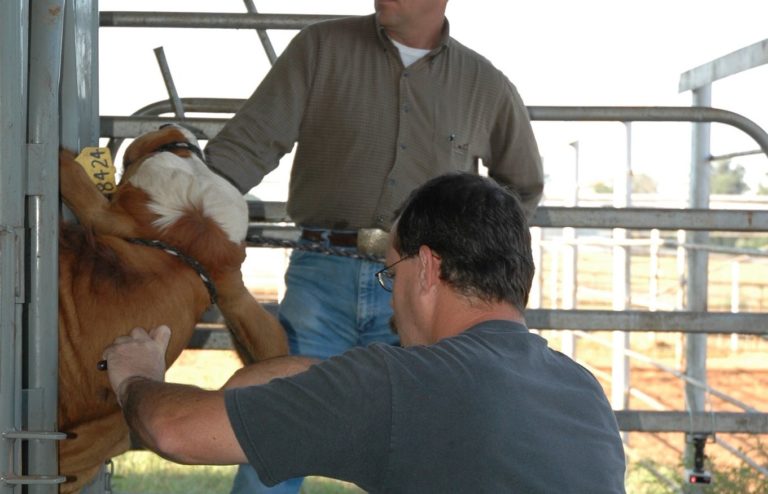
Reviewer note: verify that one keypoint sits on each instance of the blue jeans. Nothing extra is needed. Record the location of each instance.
(331, 304)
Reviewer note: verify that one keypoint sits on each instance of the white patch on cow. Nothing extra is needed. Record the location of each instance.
(176, 185)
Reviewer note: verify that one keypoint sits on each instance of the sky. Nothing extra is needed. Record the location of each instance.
(556, 52)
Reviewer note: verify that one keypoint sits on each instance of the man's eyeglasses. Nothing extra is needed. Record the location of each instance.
(386, 277)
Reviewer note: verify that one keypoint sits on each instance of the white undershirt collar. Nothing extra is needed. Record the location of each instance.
(408, 54)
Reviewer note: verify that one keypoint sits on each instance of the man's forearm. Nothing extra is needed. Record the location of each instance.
(266, 370)
(132, 393)
(179, 422)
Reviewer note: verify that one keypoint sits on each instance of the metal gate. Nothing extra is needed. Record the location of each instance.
(48, 93)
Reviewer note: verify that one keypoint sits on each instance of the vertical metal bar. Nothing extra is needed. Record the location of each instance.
(622, 190)
(569, 287)
(698, 259)
(173, 96)
(80, 75)
(570, 258)
(735, 298)
(554, 275)
(653, 276)
(682, 281)
(653, 272)
(680, 265)
(80, 103)
(263, 36)
(13, 96)
(534, 297)
(46, 29)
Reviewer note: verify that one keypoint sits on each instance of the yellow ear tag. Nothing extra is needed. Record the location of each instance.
(97, 163)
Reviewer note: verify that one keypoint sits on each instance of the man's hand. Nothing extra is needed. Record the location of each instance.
(139, 354)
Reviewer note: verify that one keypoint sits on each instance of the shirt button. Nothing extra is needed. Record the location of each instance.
(403, 146)
(406, 74)
(380, 220)
(391, 182)
(406, 108)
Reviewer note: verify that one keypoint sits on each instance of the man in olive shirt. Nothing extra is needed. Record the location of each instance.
(377, 105)
(472, 402)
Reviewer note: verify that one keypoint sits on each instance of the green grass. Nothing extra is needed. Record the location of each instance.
(725, 480)
(143, 472)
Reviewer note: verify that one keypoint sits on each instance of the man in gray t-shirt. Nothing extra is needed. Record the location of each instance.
(473, 403)
(490, 410)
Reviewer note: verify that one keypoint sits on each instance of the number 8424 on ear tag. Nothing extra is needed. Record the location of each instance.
(97, 163)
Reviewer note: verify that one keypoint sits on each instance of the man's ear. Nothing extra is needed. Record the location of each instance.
(429, 268)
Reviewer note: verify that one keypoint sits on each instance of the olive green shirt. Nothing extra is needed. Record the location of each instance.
(369, 130)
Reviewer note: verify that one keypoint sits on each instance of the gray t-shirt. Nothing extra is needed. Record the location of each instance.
(490, 410)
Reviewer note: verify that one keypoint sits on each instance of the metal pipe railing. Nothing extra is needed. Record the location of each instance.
(173, 95)
(704, 422)
(643, 321)
(266, 43)
(210, 20)
(121, 126)
(651, 114)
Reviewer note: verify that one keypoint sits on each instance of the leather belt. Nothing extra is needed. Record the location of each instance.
(336, 239)
(368, 241)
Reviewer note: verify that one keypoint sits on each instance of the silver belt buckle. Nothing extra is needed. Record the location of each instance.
(372, 242)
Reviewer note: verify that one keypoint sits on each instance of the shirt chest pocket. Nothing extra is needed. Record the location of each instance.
(454, 134)
(454, 147)
(443, 124)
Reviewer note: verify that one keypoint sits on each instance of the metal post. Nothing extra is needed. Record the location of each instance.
(653, 274)
(80, 75)
(263, 35)
(735, 299)
(682, 281)
(13, 60)
(554, 276)
(570, 257)
(622, 189)
(697, 290)
(535, 295)
(80, 104)
(173, 96)
(45, 49)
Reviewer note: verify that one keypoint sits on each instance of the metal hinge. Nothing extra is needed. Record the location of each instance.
(12, 478)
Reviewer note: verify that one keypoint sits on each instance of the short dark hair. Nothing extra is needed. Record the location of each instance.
(478, 229)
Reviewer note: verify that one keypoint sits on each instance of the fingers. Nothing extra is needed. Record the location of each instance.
(162, 335)
(123, 339)
(138, 354)
(139, 334)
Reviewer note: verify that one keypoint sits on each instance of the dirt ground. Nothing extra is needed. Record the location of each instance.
(747, 386)
(739, 373)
